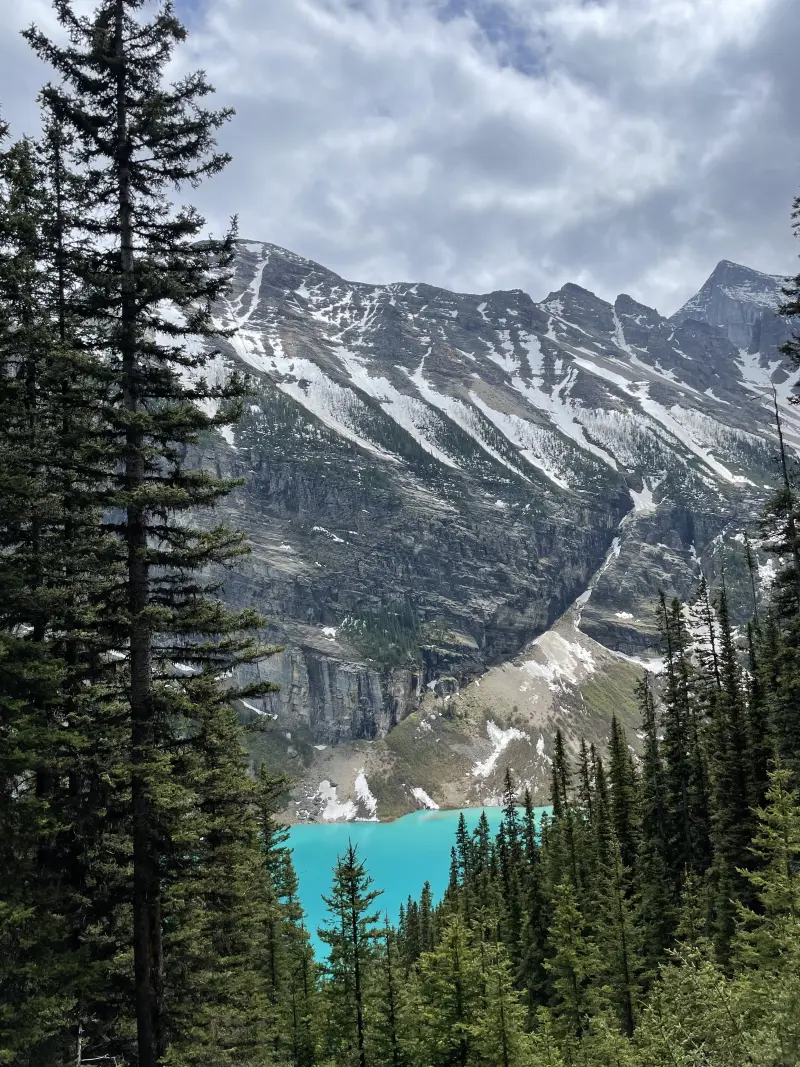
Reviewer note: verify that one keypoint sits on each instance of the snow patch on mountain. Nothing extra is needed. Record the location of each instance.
(670, 420)
(334, 810)
(412, 414)
(335, 405)
(539, 446)
(562, 412)
(462, 414)
(559, 661)
(500, 739)
(611, 555)
(366, 797)
(253, 291)
(643, 502)
(504, 354)
(423, 799)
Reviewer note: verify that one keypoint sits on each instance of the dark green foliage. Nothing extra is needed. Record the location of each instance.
(685, 774)
(390, 638)
(450, 998)
(350, 933)
(729, 760)
(624, 816)
(122, 784)
(654, 884)
(781, 645)
(791, 305)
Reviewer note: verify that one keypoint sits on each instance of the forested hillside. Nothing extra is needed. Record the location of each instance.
(149, 909)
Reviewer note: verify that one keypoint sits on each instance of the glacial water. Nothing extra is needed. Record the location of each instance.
(400, 856)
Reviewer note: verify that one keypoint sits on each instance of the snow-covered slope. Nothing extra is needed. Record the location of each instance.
(563, 385)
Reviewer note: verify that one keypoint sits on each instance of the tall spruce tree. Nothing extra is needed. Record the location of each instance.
(217, 1005)
(684, 766)
(618, 934)
(449, 999)
(732, 820)
(60, 756)
(499, 1034)
(147, 286)
(790, 306)
(390, 1037)
(574, 966)
(622, 774)
(781, 526)
(656, 897)
(350, 932)
(288, 955)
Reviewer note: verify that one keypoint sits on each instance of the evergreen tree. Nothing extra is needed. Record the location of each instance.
(217, 1004)
(498, 1033)
(350, 932)
(426, 937)
(463, 849)
(559, 791)
(585, 787)
(511, 861)
(781, 526)
(652, 861)
(623, 794)
(767, 946)
(732, 823)
(289, 956)
(412, 940)
(684, 768)
(59, 735)
(790, 307)
(147, 285)
(449, 1002)
(562, 853)
(766, 930)
(601, 810)
(532, 978)
(30, 677)
(692, 1016)
(709, 652)
(619, 939)
(758, 739)
(390, 1039)
(574, 967)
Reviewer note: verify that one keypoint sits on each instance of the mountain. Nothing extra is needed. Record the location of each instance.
(463, 507)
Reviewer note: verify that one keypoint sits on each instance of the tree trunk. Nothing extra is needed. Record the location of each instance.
(147, 949)
(362, 1060)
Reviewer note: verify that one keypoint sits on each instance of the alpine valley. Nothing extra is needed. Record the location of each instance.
(462, 509)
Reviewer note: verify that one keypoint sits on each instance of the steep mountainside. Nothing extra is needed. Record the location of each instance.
(434, 478)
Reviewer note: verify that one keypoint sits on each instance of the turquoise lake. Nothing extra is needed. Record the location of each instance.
(400, 856)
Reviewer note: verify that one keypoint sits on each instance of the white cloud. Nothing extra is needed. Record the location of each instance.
(479, 144)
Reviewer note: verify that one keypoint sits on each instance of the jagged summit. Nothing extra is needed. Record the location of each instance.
(728, 268)
(740, 301)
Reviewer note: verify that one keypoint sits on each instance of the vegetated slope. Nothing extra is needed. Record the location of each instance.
(434, 478)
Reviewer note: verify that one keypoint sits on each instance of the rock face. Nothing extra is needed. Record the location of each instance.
(743, 303)
(433, 478)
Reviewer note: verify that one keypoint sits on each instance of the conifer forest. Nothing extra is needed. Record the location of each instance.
(149, 909)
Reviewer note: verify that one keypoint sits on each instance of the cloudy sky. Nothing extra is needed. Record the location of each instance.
(626, 145)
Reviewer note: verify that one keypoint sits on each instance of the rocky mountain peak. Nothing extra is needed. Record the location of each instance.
(580, 306)
(626, 308)
(743, 303)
